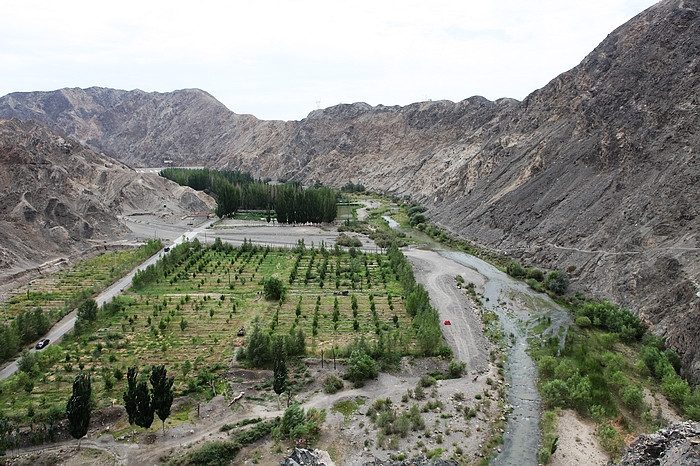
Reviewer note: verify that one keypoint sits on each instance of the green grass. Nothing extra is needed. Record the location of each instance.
(55, 293)
(346, 408)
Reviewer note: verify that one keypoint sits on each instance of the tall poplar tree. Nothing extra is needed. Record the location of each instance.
(130, 396)
(162, 387)
(78, 407)
(279, 380)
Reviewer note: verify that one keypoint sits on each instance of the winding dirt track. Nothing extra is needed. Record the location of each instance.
(437, 274)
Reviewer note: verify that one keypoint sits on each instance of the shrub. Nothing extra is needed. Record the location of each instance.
(293, 418)
(332, 384)
(610, 439)
(514, 269)
(426, 381)
(416, 219)
(534, 284)
(633, 397)
(675, 388)
(546, 366)
(555, 393)
(535, 274)
(347, 241)
(214, 453)
(360, 367)
(456, 368)
(583, 322)
(556, 282)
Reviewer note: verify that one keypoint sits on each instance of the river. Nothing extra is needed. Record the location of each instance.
(517, 306)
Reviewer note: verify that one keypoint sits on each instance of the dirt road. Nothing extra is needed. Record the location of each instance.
(437, 274)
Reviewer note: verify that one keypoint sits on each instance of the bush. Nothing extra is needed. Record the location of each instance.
(360, 367)
(332, 384)
(535, 274)
(633, 397)
(556, 282)
(675, 388)
(456, 368)
(555, 393)
(426, 381)
(546, 366)
(214, 453)
(348, 241)
(610, 439)
(583, 322)
(293, 418)
(514, 269)
(418, 218)
(534, 284)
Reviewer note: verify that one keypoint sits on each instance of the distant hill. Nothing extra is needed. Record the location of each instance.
(595, 174)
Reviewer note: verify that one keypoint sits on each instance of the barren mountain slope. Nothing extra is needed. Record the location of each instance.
(58, 197)
(596, 172)
(138, 128)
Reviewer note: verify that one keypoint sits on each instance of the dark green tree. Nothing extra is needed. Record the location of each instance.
(273, 289)
(557, 282)
(87, 310)
(130, 395)
(6, 429)
(258, 347)
(279, 353)
(228, 199)
(162, 387)
(78, 407)
(144, 405)
(137, 400)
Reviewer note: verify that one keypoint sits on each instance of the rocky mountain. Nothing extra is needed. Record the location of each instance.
(595, 174)
(58, 197)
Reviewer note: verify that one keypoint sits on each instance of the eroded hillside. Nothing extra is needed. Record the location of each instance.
(58, 197)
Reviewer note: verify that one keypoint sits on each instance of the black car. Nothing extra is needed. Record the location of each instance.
(42, 344)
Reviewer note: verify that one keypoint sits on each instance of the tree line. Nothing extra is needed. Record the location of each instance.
(236, 190)
(425, 318)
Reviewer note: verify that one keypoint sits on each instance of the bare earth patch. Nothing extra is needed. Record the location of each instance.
(578, 443)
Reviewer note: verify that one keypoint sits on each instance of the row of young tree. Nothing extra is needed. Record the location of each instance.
(24, 329)
(425, 318)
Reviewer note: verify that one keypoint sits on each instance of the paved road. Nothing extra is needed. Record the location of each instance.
(66, 324)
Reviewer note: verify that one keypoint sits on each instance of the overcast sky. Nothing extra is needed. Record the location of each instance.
(282, 59)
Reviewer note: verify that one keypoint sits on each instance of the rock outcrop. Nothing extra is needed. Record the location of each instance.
(674, 445)
(595, 174)
(304, 456)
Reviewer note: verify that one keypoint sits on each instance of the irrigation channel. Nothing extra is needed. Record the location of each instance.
(518, 307)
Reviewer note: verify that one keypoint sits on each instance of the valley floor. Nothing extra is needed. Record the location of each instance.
(351, 440)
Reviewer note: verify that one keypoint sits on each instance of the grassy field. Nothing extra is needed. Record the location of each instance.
(188, 320)
(54, 293)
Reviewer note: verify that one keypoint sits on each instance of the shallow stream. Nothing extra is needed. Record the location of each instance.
(517, 306)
